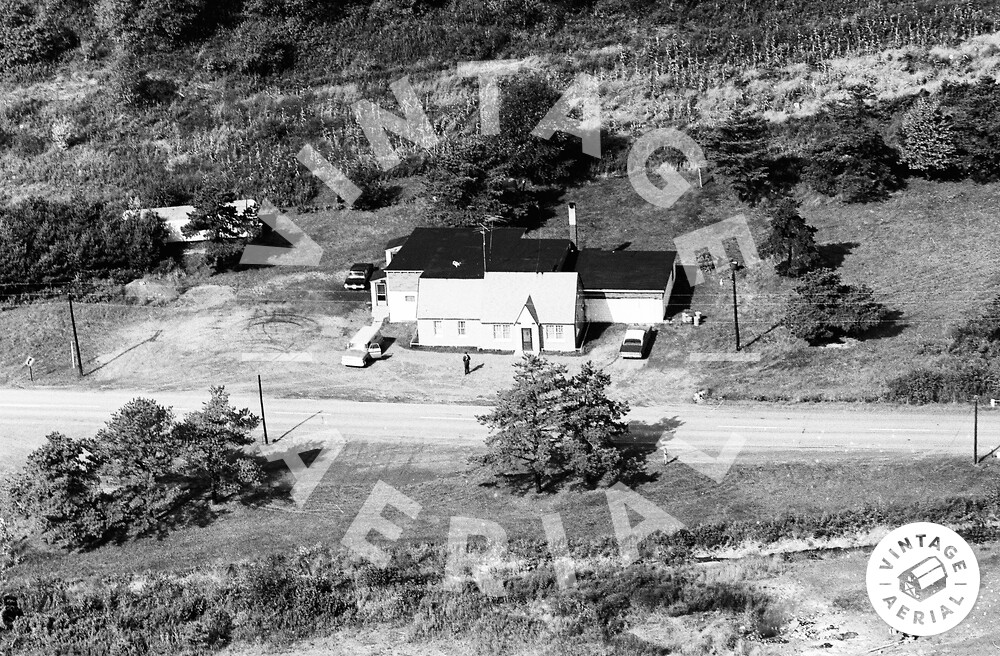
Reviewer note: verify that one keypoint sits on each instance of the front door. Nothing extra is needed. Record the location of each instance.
(526, 341)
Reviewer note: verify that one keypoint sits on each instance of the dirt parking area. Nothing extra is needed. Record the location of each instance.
(213, 335)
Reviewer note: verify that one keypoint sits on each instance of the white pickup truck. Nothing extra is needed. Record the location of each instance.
(364, 347)
(634, 343)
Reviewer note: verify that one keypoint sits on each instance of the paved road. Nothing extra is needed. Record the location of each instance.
(26, 416)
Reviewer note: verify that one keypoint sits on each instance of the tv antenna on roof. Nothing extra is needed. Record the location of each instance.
(486, 225)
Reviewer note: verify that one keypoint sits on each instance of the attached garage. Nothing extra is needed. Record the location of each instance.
(626, 286)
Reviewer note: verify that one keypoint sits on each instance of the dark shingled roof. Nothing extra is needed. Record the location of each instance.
(626, 270)
(393, 243)
(436, 250)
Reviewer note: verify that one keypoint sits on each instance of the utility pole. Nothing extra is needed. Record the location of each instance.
(736, 317)
(76, 339)
(263, 421)
(975, 430)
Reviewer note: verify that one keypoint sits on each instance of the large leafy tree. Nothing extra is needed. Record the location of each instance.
(213, 441)
(824, 308)
(975, 113)
(504, 175)
(549, 427)
(161, 24)
(791, 240)
(851, 159)
(59, 491)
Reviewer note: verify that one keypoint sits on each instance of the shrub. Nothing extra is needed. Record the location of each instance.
(262, 47)
(31, 32)
(160, 24)
(45, 242)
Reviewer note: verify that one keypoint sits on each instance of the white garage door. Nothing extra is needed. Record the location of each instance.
(624, 310)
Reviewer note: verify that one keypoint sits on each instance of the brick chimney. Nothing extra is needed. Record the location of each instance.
(572, 225)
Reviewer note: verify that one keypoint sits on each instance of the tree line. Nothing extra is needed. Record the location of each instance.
(144, 472)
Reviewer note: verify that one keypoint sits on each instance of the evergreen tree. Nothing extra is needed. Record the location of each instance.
(824, 308)
(927, 138)
(550, 427)
(593, 429)
(526, 426)
(742, 150)
(59, 491)
(139, 455)
(791, 240)
(229, 229)
(213, 439)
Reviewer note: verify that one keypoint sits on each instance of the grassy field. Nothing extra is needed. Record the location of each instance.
(445, 485)
(928, 253)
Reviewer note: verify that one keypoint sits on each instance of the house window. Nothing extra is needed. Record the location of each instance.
(380, 292)
(501, 331)
(461, 327)
(411, 298)
(554, 333)
(437, 327)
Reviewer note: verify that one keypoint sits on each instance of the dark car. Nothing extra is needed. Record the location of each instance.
(357, 277)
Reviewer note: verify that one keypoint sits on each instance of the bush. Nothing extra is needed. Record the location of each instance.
(159, 24)
(44, 242)
(262, 47)
(30, 32)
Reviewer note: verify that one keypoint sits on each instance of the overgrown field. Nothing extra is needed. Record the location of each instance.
(792, 502)
(272, 577)
(239, 96)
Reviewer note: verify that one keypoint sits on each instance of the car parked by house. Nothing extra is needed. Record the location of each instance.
(359, 275)
(364, 347)
(635, 343)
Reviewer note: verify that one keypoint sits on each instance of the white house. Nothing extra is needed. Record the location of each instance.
(456, 254)
(519, 311)
(500, 290)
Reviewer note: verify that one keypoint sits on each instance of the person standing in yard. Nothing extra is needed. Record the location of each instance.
(466, 360)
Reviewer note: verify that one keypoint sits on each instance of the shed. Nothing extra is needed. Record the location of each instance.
(626, 286)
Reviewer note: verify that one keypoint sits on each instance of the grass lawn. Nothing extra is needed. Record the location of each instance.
(440, 479)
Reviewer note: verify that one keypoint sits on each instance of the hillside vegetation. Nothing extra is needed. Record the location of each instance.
(145, 98)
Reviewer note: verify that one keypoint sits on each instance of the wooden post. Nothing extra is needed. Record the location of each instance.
(76, 339)
(736, 316)
(263, 420)
(975, 430)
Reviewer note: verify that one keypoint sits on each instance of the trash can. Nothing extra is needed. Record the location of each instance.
(697, 318)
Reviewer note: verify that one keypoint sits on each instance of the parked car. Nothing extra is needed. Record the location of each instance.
(355, 357)
(358, 276)
(634, 343)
